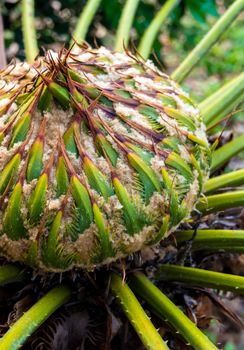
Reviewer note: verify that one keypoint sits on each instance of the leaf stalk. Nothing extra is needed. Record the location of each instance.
(208, 41)
(169, 312)
(202, 278)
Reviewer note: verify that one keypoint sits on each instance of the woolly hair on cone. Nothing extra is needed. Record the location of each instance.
(101, 154)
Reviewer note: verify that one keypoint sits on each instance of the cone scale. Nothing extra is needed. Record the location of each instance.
(101, 155)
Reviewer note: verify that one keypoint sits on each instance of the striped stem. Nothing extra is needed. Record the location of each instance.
(223, 154)
(2, 46)
(125, 24)
(201, 278)
(34, 317)
(208, 41)
(219, 104)
(219, 92)
(29, 31)
(233, 178)
(11, 273)
(213, 240)
(150, 34)
(85, 20)
(137, 316)
(168, 311)
(218, 202)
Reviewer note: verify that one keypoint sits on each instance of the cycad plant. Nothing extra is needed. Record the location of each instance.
(104, 155)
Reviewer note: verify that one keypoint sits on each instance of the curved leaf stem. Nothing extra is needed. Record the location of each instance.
(2, 46)
(208, 41)
(219, 104)
(201, 278)
(34, 317)
(150, 34)
(223, 154)
(85, 20)
(233, 178)
(218, 202)
(125, 24)
(11, 273)
(137, 316)
(169, 312)
(217, 240)
(29, 31)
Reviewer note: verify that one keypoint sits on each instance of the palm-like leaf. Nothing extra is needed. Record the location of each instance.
(213, 109)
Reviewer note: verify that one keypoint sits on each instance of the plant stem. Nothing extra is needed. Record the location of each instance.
(219, 92)
(201, 278)
(169, 312)
(218, 202)
(219, 104)
(208, 41)
(11, 273)
(29, 31)
(224, 240)
(223, 154)
(233, 178)
(125, 24)
(137, 316)
(2, 46)
(34, 317)
(150, 34)
(85, 20)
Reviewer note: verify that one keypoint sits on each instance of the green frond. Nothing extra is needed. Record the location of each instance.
(136, 315)
(29, 31)
(125, 24)
(85, 20)
(11, 274)
(147, 40)
(233, 178)
(208, 41)
(34, 317)
(164, 308)
(223, 101)
(218, 202)
(213, 240)
(202, 278)
(223, 154)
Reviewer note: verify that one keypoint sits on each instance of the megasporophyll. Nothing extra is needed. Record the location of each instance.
(101, 154)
